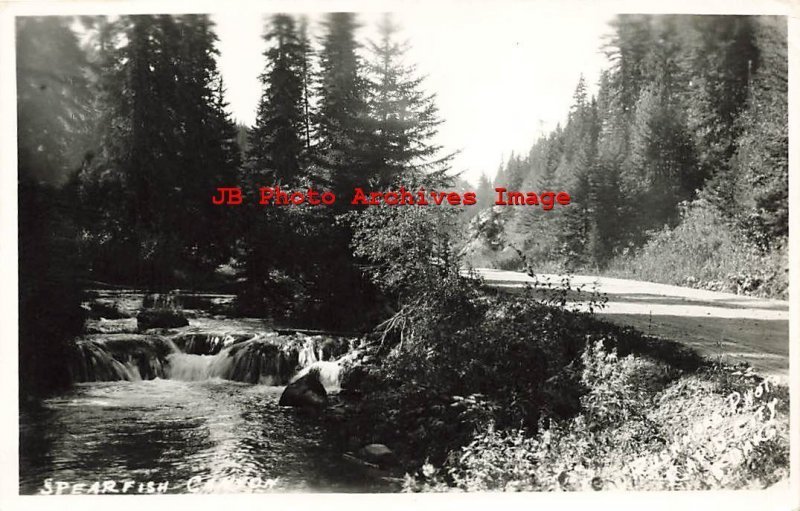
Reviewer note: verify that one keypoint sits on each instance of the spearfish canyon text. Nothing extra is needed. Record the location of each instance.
(275, 196)
(195, 484)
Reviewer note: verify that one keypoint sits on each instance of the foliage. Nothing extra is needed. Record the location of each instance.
(165, 144)
(277, 145)
(405, 118)
(761, 158)
(491, 391)
(706, 251)
(455, 355)
(640, 429)
(372, 126)
(281, 266)
(342, 123)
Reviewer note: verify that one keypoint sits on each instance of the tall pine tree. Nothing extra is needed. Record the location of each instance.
(168, 144)
(279, 146)
(279, 138)
(344, 129)
(405, 118)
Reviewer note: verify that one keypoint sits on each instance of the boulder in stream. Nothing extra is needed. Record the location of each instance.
(98, 310)
(377, 454)
(160, 318)
(305, 392)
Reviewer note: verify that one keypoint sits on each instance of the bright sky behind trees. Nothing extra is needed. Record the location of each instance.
(502, 76)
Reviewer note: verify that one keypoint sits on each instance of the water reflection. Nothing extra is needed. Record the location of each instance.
(170, 430)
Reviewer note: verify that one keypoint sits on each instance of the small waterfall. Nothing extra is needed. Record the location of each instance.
(96, 364)
(264, 358)
(308, 353)
(257, 360)
(263, 361)
(120, 357)
(161, 301)
(205, 343)
(319, 348)
(330, 374)
(190, 367)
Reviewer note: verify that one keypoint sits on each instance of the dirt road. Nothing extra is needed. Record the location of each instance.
(735, 328)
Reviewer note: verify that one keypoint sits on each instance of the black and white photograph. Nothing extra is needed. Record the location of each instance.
(516, 246)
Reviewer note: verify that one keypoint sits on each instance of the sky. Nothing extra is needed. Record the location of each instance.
(502, 77)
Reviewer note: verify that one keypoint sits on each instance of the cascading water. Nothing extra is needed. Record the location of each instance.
(210, 343)
(190, 409)
(114, 357)
(330, 374)
(264, 358)
(188, 367)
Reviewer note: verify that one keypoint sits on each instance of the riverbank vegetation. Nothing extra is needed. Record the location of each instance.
(638, 430)
(481, 390)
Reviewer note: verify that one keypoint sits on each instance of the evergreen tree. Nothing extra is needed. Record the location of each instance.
(579, 99)
(500, 179)
(531, 229)
(515, 172)
(297, 262)
(722, 58)
(307, 77)
(610, 210)
(210, 157)
(761, 161)
(689, 104)
(241, 139)
(279, 137)
(627, 51)
(576, 228)
(167, 145)
(344, 129)
(662, 157)
(405, 118)
(484, 192)
(279, 143)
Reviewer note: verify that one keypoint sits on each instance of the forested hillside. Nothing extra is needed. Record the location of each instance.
(677, 166)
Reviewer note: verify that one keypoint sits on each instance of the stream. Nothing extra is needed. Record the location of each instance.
(193, 409)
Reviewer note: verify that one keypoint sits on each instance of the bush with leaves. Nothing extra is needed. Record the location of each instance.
(641, 429)
(706, 251)
(451, 342)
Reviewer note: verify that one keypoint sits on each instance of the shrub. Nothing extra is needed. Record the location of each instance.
(636, 432)
(705, 251)
(453, 350)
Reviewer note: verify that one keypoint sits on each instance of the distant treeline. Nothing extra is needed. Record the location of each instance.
(691, 108)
